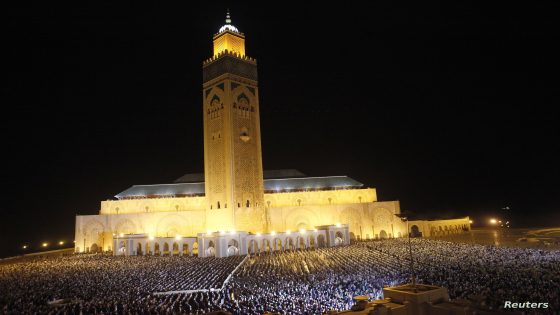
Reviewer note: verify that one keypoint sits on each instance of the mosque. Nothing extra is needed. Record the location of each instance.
(235, 207)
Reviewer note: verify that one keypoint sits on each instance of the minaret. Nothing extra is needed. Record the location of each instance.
(232, 136)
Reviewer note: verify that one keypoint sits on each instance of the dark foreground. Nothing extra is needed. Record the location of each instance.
(308, 282)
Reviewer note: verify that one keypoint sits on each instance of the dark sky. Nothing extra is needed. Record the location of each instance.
(448, 107)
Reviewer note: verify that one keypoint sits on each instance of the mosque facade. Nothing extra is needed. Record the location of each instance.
(235, 207)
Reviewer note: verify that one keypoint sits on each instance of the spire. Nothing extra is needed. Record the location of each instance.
(228, 25)
(228, 18)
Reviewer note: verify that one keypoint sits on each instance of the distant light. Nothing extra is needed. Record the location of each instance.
(232, 232)
(338, 225)
(222, 232)
(288, 231)
(500, 221)
(471, 221)
(121, 235)
(61, 243)
(209, 232)
(258, 233)
(273, 233)
(45, 244)
(302, 231)
(315, 230)
(151, 237)
(24, 246)
(493, 221)
(178, 237)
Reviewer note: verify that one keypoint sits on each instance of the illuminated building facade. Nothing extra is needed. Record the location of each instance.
(235, 207)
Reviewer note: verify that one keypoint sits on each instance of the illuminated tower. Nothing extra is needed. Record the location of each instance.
(232, 137)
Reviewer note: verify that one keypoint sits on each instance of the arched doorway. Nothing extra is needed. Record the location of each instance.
(312, 242)
(289, 244)
(338, 239)
(122, 248)
(266, 248)
(210, 250)
(185, 249)
(233, 248)
(352, 237)
(301, 242)
(277, 244)
(139, 249)
(148, 248)
(94, 248)
(195, 248)
(175, 251)
(166, 251)
(415, 231)
(382, 234)
(321, 241)
(253, 247)
(157, 250)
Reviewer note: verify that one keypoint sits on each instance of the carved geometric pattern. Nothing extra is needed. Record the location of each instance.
(216, 158)
(229, 64)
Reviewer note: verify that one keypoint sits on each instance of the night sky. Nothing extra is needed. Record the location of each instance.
(448, 107)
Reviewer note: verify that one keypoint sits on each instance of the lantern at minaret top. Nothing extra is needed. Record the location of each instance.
(229, 39)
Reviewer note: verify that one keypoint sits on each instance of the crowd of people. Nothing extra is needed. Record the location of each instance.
(104, 284)
(496, 274)
(291, 282)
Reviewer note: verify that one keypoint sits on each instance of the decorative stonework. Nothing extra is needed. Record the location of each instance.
(229, 64)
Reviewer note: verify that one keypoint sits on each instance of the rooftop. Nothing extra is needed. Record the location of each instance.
(275, 181)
